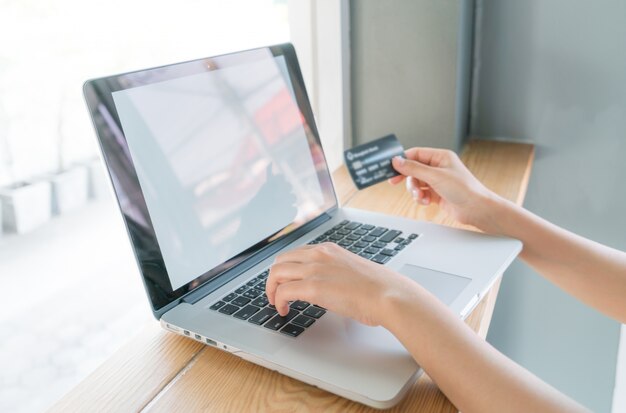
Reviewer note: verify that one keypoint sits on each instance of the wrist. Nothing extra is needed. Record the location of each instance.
(395, 301)
(495, 214)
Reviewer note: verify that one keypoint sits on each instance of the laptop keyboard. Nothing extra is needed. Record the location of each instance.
(377, 244)
(249, 303)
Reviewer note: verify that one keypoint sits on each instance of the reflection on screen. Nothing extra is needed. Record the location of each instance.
(223, 161)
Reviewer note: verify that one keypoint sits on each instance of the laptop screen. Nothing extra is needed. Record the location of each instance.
(225, 156)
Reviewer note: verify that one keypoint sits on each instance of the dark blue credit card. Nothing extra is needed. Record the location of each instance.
(370, 163)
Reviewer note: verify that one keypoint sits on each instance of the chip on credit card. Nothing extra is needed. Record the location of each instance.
(370, 163)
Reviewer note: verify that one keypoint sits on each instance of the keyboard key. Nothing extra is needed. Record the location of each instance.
(344, 222)
(252, 282)
(228, 309)
(398, 240)
(380, 258)
(292, 330)
(366, 255)
(303, 321)
(217, 305)
(372, 250)
(353, 237)
(241, 289)
(390, 235)
(354, 250)
(399, 247)
(299, 305)
(378, 231)
(413, 236)
(262, 316)
(361, 244)
(368, 238)
(389, 252)
(246, 312)
(277, 321)
(260, 302)
(360, 232)
(379, 244)
(252, 293)
(407, 241)
(353, 225)
(240, 301)
(230, 297)
(314, 312)
(367, 227)
(345, 243)
(335, 237)
(260, 286)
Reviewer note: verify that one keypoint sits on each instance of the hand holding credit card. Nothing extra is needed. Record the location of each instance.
(370, 163)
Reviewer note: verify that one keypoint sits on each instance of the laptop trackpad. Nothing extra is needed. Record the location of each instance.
(444, 286)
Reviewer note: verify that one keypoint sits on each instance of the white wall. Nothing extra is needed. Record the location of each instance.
(553, 72)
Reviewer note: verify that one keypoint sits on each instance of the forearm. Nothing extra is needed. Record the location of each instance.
(472, 374)
(592, 272)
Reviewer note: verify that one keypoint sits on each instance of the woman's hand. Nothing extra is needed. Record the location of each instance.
(439, 176)
(331, 277)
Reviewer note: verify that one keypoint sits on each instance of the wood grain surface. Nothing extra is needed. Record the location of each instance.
(162, 372)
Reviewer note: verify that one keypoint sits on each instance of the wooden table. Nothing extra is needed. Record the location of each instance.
(162, 372)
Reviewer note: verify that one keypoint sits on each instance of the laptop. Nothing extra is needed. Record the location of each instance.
(217, 167)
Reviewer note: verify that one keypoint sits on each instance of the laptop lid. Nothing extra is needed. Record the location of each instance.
(211, 161)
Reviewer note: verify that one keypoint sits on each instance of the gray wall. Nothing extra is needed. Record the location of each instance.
(553, 72)
(410, 70)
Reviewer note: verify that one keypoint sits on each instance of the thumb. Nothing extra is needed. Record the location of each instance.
(415, 169)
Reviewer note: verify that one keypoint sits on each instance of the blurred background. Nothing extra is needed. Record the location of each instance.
(71, 292)
(434, 72)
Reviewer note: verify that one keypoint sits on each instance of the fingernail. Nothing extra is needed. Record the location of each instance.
(399, 160)
(415, 194)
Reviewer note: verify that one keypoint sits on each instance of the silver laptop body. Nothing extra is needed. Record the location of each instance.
(217, 167)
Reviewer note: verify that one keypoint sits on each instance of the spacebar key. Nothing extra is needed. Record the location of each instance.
(390, 235)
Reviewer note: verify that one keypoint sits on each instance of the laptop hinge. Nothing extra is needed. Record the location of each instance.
(225, 277)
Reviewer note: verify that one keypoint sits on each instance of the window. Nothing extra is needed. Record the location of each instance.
(50, 48)
(75, 264)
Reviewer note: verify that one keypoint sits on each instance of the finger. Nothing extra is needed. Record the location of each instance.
(411, 184)
(281, 273)
(414, 183)
(417, 188)
(300, 254)
(415, 169)
(428, 156)
(313, 253)
(396, 179)
(292, 291)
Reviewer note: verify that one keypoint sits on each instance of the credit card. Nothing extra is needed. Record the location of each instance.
(370, 163)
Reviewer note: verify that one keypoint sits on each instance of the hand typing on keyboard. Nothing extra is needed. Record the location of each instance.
(334, 278)
(462, 364)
